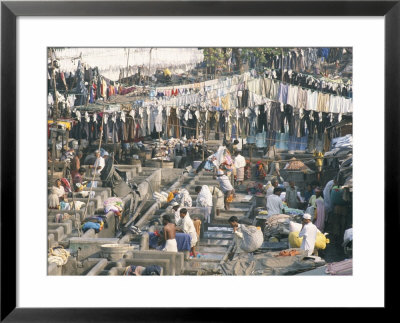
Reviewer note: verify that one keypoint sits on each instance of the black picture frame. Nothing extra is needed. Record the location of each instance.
(10, 10)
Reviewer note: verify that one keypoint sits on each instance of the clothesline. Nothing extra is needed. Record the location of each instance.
(212, 82)
(323, 79)
(204, 96)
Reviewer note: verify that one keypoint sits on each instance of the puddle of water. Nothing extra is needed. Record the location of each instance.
(211, 249)
(220, 229)
(216, 235)
(209, 256)
(215, 242)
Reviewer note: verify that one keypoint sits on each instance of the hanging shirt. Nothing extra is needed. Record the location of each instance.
(312, 98)
(309, 235)
(292, 95)
(204, 198)
(302, 99)
(274, 205)
(283, 93)
(323, 102)
(225, 102)
(347, 106)
(334, 104)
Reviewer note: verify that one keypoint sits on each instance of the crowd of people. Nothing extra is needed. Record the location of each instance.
(75, 180)
(322, 206)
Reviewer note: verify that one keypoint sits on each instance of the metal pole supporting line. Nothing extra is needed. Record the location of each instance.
(53, 153)
(127, 63)
(162, 155)
(77, 223)
(53, 73)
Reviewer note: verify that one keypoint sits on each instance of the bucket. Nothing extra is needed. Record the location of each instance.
(114, 251)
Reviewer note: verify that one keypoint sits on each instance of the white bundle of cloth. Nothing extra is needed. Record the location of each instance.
(204, 198)
(161, 197)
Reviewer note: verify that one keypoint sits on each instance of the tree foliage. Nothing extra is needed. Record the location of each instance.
(217, 59)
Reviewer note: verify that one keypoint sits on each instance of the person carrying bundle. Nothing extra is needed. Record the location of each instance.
(226, 188)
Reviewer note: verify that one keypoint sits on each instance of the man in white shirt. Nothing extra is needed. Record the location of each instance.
(226, 187)
(240, 164)
(274, 202)
(97, 166)
(309, 234)
(204, 199)
(176, 208)
(270, 189)
(186, 225)
(99, 163)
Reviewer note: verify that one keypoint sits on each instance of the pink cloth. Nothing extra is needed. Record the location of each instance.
(320, 222)
(344, 267)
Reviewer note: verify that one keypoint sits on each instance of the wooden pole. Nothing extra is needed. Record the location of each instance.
(282, 64)
(127, 63)
(204, 137)
(162, 155)
(55, 111)
(53, 153)
(67, 136)
(166, 128)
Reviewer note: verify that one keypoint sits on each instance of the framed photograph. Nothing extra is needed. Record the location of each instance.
(63, 56)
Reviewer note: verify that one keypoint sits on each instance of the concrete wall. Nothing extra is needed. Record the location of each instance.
(51, 213)
(89, 247)
(164, 263)
(169, 175)
(54, 270)
(151, 185)
(110, 231)
(176, 259)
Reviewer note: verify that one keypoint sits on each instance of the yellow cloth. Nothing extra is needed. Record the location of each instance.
(104, 85)
(225, 102)
(295, 241)
(170, 197)
(67, 124)
(197, 226)
(318, 160)
(323, 102)
(167, 72)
